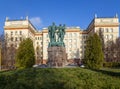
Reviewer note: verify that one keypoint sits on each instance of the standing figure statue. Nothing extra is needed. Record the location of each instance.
(61, 33)
(54, 31)
(51, 32)
(54, 28)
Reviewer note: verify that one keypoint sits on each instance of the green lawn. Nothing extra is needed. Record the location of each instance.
(60, 78)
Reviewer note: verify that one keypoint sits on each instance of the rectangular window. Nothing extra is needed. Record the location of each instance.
(84, 37)
(106, 36)
(101, 29)
(11, 38)
(111, 36)
(37, 43)
(111, 30)
(106, 29)
(41, 43)
(16, 39)
(11, 32)
(15, 32)
(20, 38)
(74, 34)
(40, 38)
(84, 42)
(20, 32)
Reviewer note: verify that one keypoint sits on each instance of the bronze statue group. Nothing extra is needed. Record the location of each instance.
(56, 35)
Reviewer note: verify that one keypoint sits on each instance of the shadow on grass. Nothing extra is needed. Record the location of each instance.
(108, 72)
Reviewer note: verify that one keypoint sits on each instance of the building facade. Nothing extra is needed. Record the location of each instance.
(75, 37)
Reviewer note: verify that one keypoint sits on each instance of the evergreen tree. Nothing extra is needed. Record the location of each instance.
(93, 54)
(25, 56)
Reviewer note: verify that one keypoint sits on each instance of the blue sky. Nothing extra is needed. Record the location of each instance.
(70, 12)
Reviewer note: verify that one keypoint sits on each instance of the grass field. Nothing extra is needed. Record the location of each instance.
(60, 78)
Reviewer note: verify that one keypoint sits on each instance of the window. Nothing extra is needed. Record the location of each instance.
(15, 32)
(84, 37)
(11, 38)
(84, 46)
(106, 36)
(106, 29)
(20, 32)
(74, 34)
(41, 43)
(11, 32)
(40, 38)
(11, 45)
(101, 29)
(111, 36)
(20, 38)
(37, 43)
(111, 30)
(85, 42)
(16, 39)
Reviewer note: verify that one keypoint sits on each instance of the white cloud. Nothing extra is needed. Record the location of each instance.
(36, 21)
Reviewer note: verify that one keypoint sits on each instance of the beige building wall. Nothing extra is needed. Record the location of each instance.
(109, 28)
(75, 38)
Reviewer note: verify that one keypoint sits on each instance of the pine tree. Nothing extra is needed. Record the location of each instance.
(93, 54)
(25, 57)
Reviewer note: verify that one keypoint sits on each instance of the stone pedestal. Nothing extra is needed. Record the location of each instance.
(57, 56)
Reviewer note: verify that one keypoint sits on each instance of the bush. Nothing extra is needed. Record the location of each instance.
(93, 58)
(111, 64)
(25, 54)
(61, 78)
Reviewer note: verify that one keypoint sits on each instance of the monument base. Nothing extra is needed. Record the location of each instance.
(57, 57)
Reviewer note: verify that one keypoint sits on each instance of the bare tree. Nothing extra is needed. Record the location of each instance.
(110, 48)
(117, 47)
(7, 52)
(112, 51)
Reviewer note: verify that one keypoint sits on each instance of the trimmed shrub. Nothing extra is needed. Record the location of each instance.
(111, 64)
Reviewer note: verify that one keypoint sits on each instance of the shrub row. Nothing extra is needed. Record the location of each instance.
(111, 64)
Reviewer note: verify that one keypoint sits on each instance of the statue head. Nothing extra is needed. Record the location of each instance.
(60, 25)
(53, 23)
(64, 25)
